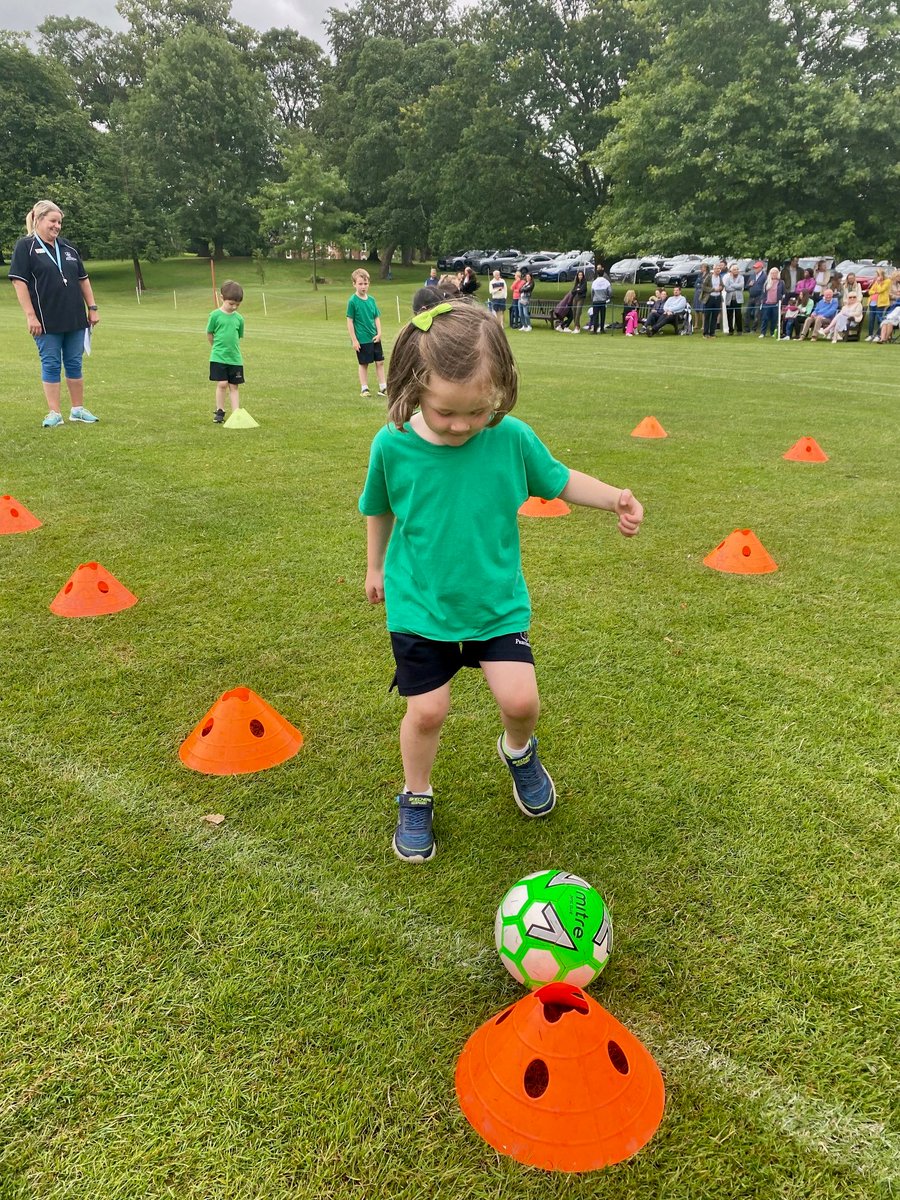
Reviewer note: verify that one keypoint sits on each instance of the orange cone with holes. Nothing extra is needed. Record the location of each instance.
(649, 428)
(92, 591)
(557, 1082)
(807, 449)
(15, 517)
(534, 506)
(240, 734)
(741, 553)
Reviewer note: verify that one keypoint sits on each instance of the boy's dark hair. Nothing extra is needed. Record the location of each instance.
(461, 344)
(231, 291)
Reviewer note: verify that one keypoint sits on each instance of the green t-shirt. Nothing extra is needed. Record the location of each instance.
(453, 570)
(363, 313)
(227, 330)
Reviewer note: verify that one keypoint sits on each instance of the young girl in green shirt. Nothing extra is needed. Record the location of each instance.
(446, 478)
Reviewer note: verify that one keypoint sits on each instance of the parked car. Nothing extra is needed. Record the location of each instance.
(465, 258)
(564, 268)
(683, 272)
(495, 260)
(532, 262)
(863, 269)
(635, 270)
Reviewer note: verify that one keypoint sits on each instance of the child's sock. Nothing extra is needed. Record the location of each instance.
(510, 752)
(409, 791)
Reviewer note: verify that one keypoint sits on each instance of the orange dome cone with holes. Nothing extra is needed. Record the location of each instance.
(742, 553)
(534, 506)
(557, 1082)
(807, 449)
(240, 734)
(92, 591)
(649, 428)
(15, 517)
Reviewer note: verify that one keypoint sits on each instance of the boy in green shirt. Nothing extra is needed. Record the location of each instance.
(224, 329)
(364, 327)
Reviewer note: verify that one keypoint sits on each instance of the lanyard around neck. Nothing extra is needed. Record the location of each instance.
(58, 256)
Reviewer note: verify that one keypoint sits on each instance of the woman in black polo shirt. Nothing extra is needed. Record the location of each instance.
(53, 288)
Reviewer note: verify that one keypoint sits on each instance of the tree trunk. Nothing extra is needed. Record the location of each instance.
(373, 255)
(407, 255)
(386, 255)
(138, 274)
(218, 249)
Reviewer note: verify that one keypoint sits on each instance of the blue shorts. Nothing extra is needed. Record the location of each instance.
(423, 665)
(59, 350)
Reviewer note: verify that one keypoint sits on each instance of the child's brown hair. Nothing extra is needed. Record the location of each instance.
(462, 342)
(232, 291)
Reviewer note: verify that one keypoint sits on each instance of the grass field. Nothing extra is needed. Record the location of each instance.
(274, 1008)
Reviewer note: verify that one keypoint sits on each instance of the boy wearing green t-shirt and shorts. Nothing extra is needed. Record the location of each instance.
(446, 478)
(224, 329)
(364, 327)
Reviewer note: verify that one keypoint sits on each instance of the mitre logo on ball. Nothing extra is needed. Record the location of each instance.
(553, 927)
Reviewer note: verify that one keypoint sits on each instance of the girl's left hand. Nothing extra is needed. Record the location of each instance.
(630, 513)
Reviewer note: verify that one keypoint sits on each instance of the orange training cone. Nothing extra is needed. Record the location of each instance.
(240, 734)
(92, 592)
(15, 517)
(742, 553)
(534, 506)
(807, 449)
(649, 428)
(557, 1082)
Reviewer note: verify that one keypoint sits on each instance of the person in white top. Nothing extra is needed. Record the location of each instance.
(498, 296)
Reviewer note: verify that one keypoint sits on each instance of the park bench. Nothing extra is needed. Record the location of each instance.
(542, 310)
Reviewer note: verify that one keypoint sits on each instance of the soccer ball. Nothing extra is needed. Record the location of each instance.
(552, 927)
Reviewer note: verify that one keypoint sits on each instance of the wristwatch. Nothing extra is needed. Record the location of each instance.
(92, 308)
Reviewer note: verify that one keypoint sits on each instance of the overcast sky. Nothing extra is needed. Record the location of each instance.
(305, 16)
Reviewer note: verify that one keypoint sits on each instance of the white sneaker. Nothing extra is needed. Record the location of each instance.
(761, 336)
(576, 331)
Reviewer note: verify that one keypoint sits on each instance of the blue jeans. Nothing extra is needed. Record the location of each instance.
(769, 319)
(515, 318)
(60, 350)
(876, 316)
(524, 315)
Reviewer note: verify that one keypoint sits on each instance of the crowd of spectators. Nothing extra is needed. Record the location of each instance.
(792, 303)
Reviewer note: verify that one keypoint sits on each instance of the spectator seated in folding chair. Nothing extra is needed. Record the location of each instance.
(654, 311)
(675, 311)
(850, 314)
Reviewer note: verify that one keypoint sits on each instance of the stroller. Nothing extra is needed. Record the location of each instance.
(563, 312)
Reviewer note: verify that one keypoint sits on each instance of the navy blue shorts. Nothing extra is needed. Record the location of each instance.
(423, 665)
(225, 373)
(369, 352)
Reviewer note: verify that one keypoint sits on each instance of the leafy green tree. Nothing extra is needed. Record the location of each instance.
(360, 123)
(92, 55)
(294, 68)
(305, 211)
(122, 214)
(153, 24)
(562, 63)
(46, 141)
(746, 153)
(203, 124)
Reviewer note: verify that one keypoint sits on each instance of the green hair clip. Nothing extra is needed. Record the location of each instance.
(424, 319)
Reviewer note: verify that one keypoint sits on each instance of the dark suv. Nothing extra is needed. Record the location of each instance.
(465, 258)
(497, 260)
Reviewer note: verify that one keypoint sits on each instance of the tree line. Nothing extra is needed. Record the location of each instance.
(765, 127)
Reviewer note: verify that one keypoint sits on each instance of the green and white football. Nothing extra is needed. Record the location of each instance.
(553, 927)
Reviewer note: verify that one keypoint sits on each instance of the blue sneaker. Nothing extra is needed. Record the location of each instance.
(413, 840)
(533, 789)
(52, 419)
(82, 414)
